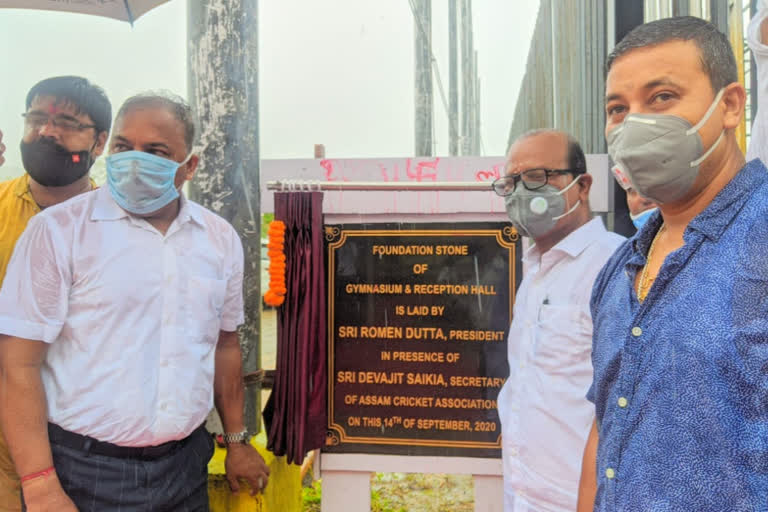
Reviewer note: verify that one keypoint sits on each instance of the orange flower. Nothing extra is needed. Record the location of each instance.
(275, 295)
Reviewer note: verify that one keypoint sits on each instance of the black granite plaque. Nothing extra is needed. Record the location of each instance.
(418, 317)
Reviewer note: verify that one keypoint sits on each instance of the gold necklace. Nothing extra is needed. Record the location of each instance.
(644, 285)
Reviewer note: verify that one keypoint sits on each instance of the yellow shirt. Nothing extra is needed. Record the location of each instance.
(16, 208)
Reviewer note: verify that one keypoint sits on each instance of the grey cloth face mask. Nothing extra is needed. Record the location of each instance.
(659, 154)
(535, 212)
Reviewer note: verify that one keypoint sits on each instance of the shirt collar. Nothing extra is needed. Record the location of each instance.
(716, 217)
(21, 189)
(728, 202)
(105, 208)
(190, 211)
(573, 244)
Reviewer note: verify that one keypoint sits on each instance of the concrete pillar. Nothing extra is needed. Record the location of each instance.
(222, 56)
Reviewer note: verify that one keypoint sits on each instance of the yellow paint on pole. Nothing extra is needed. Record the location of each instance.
(283, 492)
(736, 36)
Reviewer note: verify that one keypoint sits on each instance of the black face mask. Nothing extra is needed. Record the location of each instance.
(53, 166)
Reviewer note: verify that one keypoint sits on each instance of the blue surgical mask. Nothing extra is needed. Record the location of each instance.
(641, 218)
(140, 182)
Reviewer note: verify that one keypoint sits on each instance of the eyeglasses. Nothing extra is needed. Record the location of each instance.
(36, 121)
(533, 179)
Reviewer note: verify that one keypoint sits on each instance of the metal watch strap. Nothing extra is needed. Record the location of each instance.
(237, 437)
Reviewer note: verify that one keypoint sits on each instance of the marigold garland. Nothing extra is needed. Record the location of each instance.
(275, 295)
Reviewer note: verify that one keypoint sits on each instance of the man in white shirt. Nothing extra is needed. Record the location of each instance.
(545, 417)
(757, 39)
(118, 320)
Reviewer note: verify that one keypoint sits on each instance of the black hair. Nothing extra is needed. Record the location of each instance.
(87, 98)
(716, 54)
(577, 162)
(175, 104)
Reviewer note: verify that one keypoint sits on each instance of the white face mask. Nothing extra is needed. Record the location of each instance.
(659, 154)
(535, 212)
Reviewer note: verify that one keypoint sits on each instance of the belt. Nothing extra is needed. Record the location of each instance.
(61, 437)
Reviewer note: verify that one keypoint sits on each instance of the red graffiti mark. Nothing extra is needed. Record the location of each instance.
(488, 175)
(385, 173)
(419, 175)
(328, 166)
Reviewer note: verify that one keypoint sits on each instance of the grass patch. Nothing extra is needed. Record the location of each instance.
(410, 492)
(311, 496)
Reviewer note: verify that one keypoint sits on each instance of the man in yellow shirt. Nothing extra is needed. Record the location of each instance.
(66, 125)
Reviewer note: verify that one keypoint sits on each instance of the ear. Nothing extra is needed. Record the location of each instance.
(584, 184)
(190, 167)
(734, 98)
(101, 143)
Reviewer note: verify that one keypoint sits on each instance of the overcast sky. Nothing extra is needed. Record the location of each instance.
(338, 72)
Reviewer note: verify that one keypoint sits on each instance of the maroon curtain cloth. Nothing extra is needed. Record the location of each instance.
(295, 413)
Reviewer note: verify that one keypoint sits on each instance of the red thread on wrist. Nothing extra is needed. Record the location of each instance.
(43, 473)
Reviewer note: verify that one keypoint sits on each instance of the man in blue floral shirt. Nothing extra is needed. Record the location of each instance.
(680, 312)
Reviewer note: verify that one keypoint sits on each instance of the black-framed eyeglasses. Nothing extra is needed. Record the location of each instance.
(37, 120)
(533, 179)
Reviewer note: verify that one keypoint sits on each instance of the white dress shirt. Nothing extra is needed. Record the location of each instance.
(544, 414)
(132, 316)
(758, 142)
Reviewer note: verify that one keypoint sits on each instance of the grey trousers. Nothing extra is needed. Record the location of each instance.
(176, 482)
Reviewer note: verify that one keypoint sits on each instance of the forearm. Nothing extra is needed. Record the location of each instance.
(588, 482)
(24, 417)
(228, 391)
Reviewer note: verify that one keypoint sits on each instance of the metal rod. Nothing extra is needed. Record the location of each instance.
(453, 78)
(372, 186)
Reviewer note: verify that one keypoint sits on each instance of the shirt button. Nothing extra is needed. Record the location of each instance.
(636, 331)
(610, 473)
(622, 402)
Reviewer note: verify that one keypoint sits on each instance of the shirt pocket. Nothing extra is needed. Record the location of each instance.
(563, 337)
(204, 300)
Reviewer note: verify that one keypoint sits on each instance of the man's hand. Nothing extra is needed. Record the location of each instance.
(46, 495)
(244, 462)
(2, 148)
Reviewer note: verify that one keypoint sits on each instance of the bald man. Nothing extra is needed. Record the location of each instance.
(544, 413)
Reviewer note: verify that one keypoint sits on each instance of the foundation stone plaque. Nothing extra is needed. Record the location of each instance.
(418, 317)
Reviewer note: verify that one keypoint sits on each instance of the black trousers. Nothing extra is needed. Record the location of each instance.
(175, 482)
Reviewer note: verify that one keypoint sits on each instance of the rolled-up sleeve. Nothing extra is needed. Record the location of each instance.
(232, 313)
(35, 294)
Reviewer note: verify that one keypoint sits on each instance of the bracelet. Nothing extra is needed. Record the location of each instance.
(43, 473)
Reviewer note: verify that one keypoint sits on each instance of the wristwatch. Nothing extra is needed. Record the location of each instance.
(237, 437)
